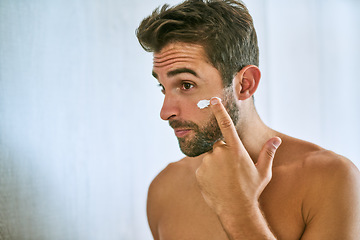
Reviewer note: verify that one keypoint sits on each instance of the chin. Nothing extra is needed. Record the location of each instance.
(195, 152)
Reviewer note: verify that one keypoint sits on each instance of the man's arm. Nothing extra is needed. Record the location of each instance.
(246, 223)
(152, 209)
(332, 206)
(158, 200)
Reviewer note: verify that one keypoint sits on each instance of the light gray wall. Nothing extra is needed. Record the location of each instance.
(80, 134)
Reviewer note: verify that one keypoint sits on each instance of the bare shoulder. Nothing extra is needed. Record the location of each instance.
(315, 161)
(331, 175)
(327, 186)
(319, 167)
(168, 187)
(175, 174)
(167, 180)
(331, 204)
(328, 167)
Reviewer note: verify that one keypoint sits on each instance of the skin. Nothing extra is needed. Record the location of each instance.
(247, 186)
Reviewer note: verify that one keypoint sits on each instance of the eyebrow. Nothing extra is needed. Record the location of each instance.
(154, 74)
(181, 70)
(176, 72)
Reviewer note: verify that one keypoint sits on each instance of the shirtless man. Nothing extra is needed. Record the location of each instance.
(240, 179)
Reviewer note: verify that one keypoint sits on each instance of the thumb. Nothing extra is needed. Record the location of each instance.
(266, 156)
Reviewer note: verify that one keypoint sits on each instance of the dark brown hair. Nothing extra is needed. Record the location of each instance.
(223, 27)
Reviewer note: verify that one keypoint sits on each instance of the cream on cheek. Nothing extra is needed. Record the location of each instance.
(203, 103)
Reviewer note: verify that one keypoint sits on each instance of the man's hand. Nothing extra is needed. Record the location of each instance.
(228, 178)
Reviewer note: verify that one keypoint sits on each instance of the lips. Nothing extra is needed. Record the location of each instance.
(181, 132)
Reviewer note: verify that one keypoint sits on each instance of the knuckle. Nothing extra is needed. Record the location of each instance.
(268, 175)
(199, 173)
(219, 149)
(215, 146)
(267, 178)
(219, 143)
(270, 153)
(225, 123)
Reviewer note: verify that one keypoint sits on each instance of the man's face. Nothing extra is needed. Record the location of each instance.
(186, 77)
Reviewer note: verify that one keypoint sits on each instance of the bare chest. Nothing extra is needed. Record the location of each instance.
(189, 217)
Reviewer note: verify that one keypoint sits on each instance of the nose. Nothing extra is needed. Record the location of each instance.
(170, 108)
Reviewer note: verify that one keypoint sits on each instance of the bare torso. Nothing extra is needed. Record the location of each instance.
(177, 210)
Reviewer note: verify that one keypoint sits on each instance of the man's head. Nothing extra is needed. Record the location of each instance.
(202, 49)
(224, 29)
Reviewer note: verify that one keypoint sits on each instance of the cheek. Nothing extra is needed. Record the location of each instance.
(193, 112)
(204, 117)
(188, 106)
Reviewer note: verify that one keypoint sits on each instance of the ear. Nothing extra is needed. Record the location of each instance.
(246, 81)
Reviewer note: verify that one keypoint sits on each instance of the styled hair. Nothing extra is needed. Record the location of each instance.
(224, 28)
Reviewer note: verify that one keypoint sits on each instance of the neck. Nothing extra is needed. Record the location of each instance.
(252, 131)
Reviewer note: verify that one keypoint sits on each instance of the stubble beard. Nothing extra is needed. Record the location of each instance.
(207, 135)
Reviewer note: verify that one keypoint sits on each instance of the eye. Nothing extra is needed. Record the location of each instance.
(187, 85)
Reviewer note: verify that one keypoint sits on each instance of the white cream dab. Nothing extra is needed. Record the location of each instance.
(203, 103)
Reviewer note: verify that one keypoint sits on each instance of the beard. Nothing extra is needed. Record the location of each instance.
(207, 135)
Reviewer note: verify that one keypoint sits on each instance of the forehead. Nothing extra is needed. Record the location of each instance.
(179, 53)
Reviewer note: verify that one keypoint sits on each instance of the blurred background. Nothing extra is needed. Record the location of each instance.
(80, 133)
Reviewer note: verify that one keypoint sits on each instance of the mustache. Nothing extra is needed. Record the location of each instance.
(183, 124)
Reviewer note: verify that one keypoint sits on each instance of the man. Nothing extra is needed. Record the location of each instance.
(232, 185)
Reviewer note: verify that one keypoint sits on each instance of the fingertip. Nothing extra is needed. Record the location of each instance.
(215, 100)
(277, 142)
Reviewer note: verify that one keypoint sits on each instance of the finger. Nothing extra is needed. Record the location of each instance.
(225, 122)
(266, 157)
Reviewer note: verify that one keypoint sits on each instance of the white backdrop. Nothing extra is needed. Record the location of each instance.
(80, 133)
